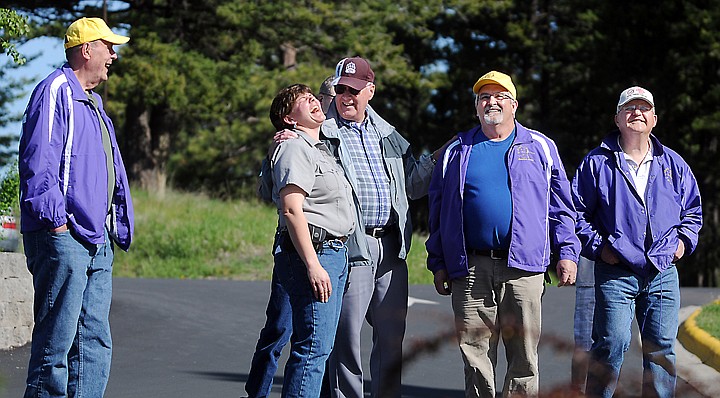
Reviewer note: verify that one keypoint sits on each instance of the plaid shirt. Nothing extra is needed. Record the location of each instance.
(373, 188)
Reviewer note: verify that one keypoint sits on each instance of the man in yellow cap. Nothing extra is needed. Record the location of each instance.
(506, 187)
(75, 207)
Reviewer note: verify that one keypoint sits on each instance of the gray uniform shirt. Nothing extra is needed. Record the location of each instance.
(309, 165)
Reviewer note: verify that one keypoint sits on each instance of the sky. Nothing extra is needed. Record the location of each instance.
(50, 55)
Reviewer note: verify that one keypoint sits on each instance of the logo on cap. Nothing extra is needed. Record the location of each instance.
(350, 68)
(633, 93)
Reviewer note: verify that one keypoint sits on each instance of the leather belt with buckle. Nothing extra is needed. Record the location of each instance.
(495, 254)
(379, 232)
(287, 245)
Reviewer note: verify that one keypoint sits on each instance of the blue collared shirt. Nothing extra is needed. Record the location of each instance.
(373, 189)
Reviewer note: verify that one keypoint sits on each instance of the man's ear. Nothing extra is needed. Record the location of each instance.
(371, 89)
(85, 50)
(288, 120)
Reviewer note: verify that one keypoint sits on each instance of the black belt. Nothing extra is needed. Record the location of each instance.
(287, 245)
(495, 254)
(379, 232)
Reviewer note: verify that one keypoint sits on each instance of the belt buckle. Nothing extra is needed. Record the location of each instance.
(376, 232)
(493, 256)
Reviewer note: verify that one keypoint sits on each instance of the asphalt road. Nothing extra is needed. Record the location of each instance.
(195, 338)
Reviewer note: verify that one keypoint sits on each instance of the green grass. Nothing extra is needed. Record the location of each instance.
(418, 273)
(709, 319)
(192, 236)
(187, 235)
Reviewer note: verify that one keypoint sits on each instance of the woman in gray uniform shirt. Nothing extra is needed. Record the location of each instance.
(316, 214)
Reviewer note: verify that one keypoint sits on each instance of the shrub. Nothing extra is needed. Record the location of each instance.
(10, 190)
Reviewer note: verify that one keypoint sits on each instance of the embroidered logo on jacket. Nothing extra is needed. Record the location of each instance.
(668, 174)
(524, 153)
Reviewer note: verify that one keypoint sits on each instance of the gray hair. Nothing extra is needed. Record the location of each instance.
(327, 86)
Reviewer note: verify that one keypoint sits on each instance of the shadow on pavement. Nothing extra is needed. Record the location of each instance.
(195, 339)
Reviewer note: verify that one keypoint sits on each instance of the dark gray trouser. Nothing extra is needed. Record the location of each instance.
(378, 293)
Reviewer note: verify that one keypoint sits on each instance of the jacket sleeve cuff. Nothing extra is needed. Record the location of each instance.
(59, 222)
(435, 266)
(574, 257)
(689, 247)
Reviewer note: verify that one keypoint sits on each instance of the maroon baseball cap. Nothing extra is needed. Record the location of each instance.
(354, 72)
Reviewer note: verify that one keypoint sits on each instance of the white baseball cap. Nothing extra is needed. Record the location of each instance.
(634, 93)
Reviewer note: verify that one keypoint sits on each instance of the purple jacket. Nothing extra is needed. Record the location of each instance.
(611, 212)
(543, 214)
(62, 165)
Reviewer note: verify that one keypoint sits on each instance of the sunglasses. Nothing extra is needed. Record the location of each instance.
(341, 88)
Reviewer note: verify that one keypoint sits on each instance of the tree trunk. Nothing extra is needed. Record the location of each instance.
(289, 55)
(146, 149)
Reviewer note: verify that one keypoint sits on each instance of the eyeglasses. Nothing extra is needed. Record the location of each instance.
(498, 96)
(641, 108)
(340, 90)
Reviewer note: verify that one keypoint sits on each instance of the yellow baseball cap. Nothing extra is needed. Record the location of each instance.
(85, 30)
(495, 77)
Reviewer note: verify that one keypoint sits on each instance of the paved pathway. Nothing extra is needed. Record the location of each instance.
(195, 338)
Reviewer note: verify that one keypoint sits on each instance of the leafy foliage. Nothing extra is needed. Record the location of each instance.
(12, 26)
(10, 190)
(191, 91)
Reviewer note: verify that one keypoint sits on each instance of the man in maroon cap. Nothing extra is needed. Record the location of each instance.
(383, 173)
(380, 166)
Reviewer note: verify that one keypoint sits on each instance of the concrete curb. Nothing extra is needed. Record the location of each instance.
(699, 342)
(690, 367)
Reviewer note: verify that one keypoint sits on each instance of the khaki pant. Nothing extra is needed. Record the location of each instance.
(493, 301)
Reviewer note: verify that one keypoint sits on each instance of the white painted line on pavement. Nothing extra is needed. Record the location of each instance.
(413, 300)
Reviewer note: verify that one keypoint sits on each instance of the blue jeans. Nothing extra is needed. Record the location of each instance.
(273, 338)
(313, 323)
(71, 344)
(584, 304)
(584, 309)
(655, 301)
